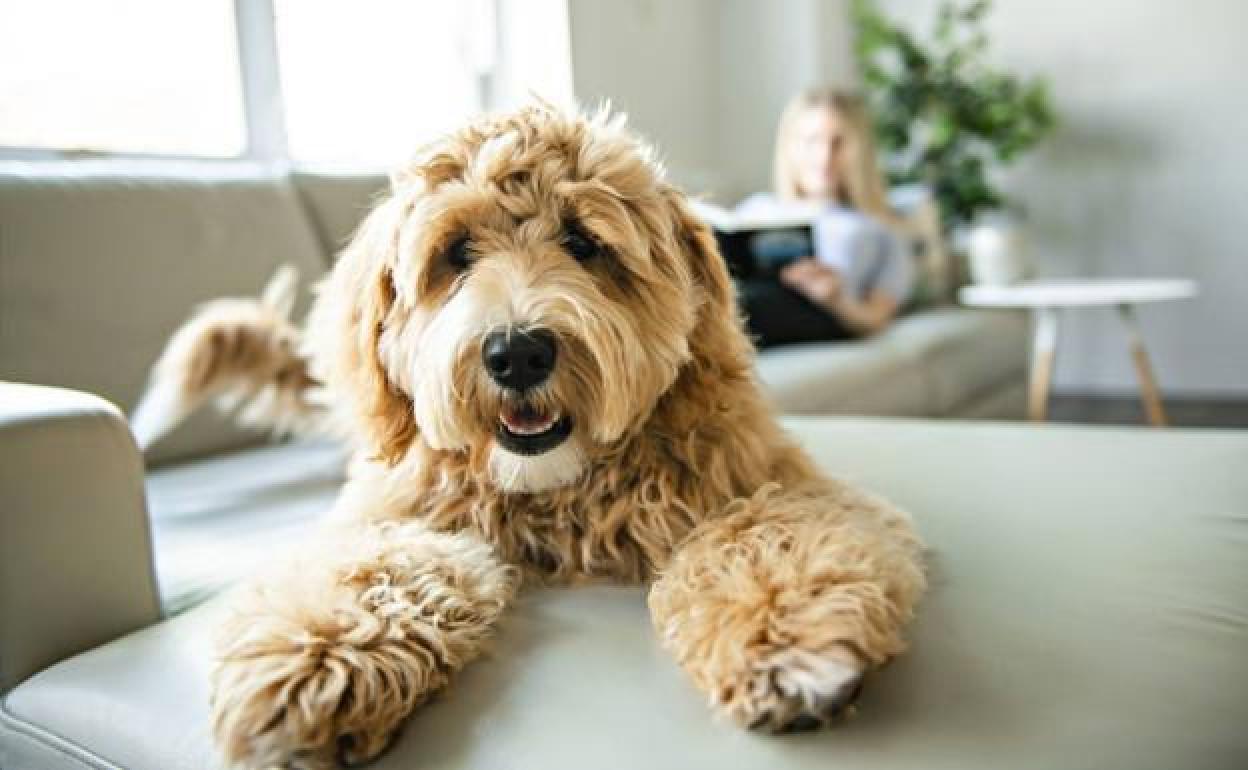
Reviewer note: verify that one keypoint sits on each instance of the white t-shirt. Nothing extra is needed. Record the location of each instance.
(868, 255)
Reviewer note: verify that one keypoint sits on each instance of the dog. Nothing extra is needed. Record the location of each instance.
(534, 347)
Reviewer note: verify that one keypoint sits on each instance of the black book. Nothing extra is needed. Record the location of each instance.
(758, 247)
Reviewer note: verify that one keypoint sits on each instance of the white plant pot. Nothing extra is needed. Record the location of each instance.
(996, 253)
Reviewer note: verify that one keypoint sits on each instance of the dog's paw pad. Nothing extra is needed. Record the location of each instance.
(797, 691)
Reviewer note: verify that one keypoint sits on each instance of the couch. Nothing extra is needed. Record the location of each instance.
(99, 267)
(1088, 609)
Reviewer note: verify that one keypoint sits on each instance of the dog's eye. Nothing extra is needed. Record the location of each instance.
(579, 245)
(459, 255)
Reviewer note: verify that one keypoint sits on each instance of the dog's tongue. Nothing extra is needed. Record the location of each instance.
(525, 420)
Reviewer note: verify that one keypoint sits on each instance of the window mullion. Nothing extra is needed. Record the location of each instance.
(487, 52)
(262, 85)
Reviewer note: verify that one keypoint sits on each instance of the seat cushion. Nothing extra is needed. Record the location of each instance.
(926, 364)
(1006, 402)
(964, 353)
(860, 377)
(1088, 609)
(216, 520)
(91, 258)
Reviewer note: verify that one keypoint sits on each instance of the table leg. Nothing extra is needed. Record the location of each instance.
(1043, 353)
(1150, 394)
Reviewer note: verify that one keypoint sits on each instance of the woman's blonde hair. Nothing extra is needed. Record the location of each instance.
(862, 186)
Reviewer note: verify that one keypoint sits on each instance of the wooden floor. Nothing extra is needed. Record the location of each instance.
(1126, 410)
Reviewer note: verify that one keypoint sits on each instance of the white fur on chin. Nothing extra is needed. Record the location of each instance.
(535, 473)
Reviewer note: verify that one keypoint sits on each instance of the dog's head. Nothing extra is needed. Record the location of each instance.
(527, 294)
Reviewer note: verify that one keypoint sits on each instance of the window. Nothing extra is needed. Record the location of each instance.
(321, 82)
(363, 86)
(135, 76)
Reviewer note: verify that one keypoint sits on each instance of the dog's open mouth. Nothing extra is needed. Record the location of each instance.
(527, 430)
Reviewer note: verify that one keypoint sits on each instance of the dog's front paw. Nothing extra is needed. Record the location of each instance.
(320, 661)
(791, 690)
(312, 706)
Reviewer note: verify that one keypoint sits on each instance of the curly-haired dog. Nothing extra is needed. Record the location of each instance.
(535, 346)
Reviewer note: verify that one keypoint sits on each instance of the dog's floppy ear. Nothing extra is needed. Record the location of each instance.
(705, 260)
(355, 303)
(719, 332)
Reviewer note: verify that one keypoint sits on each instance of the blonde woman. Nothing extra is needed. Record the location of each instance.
(861, 272)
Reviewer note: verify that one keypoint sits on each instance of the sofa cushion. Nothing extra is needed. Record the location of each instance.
(219, 519)
(338, 202)
(1006, 402)
(1088, 608)
(98, 269)
(928, 363)
(963, 353)
(863, 377)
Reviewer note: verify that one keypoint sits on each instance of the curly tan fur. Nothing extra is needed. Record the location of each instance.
(775, 587)
(332, 650)
(782, 584)
(244, 354)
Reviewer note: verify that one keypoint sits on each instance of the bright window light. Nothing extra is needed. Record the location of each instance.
(131, 76)
(535, 56)
(367, 82)
(328, 84)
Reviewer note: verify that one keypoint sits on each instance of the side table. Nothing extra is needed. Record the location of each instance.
(1046, 300)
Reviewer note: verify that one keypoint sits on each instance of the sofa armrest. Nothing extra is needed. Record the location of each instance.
(75, 550)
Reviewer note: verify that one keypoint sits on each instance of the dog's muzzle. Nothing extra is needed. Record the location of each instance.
(519, 361)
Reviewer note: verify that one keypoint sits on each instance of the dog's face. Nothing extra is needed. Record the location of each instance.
(526, 295)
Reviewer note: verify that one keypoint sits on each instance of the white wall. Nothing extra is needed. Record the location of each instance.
(769, 51)
(656, 61)
(706, 79)
(1147, 175)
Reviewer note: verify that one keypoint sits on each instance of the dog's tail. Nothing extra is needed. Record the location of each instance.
(245, 355)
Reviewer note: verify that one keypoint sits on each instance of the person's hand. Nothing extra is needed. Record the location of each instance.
(815, 281)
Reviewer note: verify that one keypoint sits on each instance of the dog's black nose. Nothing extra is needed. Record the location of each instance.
(519, 359)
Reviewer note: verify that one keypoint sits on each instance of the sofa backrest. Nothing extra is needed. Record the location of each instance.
(97, 270)
(337, 203)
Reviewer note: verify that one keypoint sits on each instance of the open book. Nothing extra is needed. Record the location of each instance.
(756, 246)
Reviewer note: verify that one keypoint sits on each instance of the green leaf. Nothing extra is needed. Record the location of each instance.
(973, 116)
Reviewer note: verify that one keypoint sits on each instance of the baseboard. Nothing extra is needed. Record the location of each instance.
(1178, 396)
(1203, 410)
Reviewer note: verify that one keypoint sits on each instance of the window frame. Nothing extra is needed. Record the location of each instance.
(264, 116)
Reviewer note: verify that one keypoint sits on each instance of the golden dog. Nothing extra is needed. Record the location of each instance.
(536, 351)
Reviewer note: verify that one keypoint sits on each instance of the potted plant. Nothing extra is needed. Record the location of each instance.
(945, 119)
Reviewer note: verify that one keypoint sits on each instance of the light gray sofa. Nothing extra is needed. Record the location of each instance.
(1088, 609)
(97, 270)
(1088, 585)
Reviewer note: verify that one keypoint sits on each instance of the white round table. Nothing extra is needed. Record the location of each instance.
(1046, 299)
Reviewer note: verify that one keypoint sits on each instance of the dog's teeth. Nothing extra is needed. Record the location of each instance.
(528, 427)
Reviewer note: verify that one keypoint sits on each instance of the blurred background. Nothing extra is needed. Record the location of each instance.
(1145, 172)
(1129, 119)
